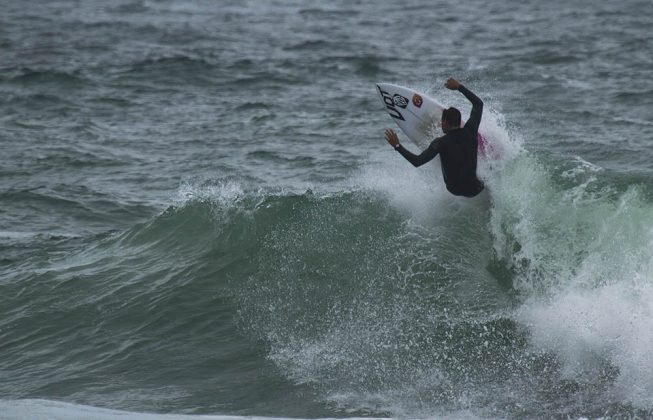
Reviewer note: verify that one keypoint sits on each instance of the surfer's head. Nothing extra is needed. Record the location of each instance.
(450, 119)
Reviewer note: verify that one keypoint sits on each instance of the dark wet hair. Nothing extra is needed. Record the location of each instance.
(452, 116)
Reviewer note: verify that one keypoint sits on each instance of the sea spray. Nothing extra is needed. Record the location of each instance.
(579, 248)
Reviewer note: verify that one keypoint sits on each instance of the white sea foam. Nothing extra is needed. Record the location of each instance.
(583, 260)
(603, 309)
(221, 193)
(421, 191)
(35, 409)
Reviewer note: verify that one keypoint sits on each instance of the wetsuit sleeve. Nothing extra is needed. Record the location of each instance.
(477, 108)
(426, 156)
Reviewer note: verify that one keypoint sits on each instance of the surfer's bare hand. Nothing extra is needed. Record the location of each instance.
(452, 84)
(391, 137)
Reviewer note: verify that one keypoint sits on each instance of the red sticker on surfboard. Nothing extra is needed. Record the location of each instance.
(417, 100)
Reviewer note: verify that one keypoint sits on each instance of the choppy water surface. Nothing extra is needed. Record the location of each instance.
(199, 214)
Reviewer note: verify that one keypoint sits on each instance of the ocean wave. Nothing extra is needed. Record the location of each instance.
(386, 289)
(175, 275)
(36, 197)
(53, 102)
(579, 249)
(62, 206)
(129, 7)
(328, 13)
(179, 68)
(369, 297)
(174, 62)
(364, 65)
(310, 45)
(26, 76)
(37, 409)
(251, 106)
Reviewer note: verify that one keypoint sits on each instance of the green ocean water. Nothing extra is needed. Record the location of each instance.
(199, 215)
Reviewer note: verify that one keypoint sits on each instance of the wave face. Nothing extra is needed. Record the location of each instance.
(367, 299)
(199, 215)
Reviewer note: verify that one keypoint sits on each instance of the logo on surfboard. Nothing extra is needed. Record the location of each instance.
(400, 101)
(390, 104)
(417, 100)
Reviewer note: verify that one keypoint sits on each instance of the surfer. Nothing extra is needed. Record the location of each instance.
(458, 148)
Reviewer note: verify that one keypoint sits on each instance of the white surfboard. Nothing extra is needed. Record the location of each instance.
(418, 115)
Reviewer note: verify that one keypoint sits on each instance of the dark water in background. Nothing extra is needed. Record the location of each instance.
(199, 215)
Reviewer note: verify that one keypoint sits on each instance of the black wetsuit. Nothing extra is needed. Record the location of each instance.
(458, 151)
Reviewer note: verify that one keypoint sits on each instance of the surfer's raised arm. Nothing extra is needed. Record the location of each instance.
(417, 160)
(477, 104)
